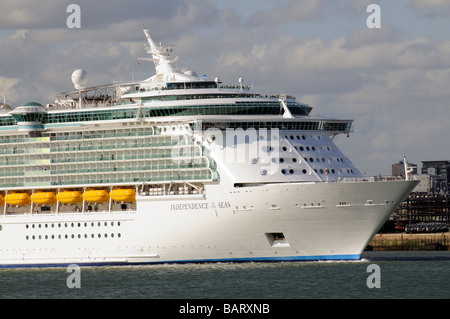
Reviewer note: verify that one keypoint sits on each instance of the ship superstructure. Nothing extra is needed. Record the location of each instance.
(177, 168)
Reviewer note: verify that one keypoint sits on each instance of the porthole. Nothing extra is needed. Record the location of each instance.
(291, 171)
(304, 171)
(283, 171)
(294, 160)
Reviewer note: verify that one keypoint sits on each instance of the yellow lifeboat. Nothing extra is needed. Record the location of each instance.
(2, 200)
(70, 197)
(96, 196)
(42, 198)
(17, 199)
(123, 195)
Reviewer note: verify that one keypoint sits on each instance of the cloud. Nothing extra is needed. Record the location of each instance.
(431, 8)
(293, 11)
(430, 4)
(393, 81)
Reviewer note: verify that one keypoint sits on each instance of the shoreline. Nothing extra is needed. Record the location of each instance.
(415, 241)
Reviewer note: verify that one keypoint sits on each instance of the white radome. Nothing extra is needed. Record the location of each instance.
(79, 79)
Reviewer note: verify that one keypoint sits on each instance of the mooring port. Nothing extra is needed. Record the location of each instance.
(277, 240)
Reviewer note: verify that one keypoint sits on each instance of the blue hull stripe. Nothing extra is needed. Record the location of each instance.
(194, 261)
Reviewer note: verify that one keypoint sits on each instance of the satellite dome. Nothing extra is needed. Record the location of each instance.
(79, 79)
(190, 73)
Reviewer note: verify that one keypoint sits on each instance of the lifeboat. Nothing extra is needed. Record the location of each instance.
(17, 199)
(70, 197)
(42, 198)
(2, 200)
(123, 195)
(96, 196)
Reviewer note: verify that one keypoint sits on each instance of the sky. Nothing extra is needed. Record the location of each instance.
(393, 81)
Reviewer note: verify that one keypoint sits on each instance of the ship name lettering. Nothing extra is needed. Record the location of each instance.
(189, 206)
(223, 205)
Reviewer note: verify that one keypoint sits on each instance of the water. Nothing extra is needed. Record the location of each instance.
(418, 275)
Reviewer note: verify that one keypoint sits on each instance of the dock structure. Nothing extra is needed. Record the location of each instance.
(403, 241)
(418, 208)
(421, 222)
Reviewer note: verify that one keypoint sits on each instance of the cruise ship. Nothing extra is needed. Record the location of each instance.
(180, 169)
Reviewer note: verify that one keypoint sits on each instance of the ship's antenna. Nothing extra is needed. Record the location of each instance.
(408, 169)
(287, 113)
(4, 97)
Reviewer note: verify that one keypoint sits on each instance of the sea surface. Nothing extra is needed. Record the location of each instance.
(378, 275)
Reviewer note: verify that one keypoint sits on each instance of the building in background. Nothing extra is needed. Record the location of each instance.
(398, 169)
(439, 172)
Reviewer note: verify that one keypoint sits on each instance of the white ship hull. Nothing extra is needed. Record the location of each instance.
(177, 168)
(314, 221)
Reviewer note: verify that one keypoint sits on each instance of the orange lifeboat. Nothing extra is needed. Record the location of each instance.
(70, 197)
(2, 200)
(18, 199)
(42, 198)
(96, 196)
(123, 195)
